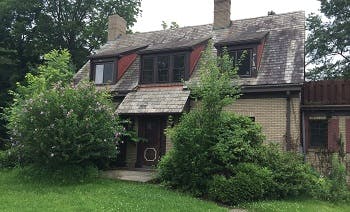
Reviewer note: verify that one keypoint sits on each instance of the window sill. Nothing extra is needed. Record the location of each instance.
(105, 84)
(167, 84)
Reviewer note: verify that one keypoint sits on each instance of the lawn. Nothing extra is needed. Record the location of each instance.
(101, 195)
(108, 195)
(296, 205)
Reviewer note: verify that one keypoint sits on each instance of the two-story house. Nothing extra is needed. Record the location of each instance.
(144, 72)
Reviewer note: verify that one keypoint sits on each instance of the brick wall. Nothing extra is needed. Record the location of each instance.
(270, 113)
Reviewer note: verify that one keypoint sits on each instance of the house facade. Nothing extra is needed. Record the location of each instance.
(145, 74)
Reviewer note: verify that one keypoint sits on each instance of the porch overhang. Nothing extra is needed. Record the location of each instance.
(162, 100)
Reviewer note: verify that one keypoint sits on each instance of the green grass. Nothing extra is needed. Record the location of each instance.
(100, 195)
(296, 205)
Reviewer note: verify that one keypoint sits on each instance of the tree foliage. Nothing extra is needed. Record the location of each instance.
(31, 28)
(173, 25)
(328, 44)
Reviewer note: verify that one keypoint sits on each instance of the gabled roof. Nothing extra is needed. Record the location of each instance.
(282, 59)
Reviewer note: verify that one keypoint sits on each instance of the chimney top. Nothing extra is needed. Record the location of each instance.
(116, 27)
(222, 14)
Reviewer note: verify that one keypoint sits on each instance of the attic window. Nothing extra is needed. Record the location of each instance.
(246, 50)
(242, 59)
(164, 68)
(104, 72)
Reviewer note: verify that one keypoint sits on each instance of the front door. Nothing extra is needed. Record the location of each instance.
(151, 129)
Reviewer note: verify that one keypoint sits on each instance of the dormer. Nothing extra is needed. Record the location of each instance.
(108, 66)
(246, 51)
(170, 62)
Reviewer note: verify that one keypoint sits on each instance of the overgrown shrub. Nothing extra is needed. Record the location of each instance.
(334, 188)
(250, 182)
(67, 126)
(291, 176)
(57, 126)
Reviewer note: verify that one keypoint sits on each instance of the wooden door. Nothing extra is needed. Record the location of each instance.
(151, 129)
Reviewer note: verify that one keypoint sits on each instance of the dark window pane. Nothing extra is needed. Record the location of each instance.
(179, 67)
(243, 61)
(179, 61)
(108, 73)
(318, 133)
(148, 63)
(163, 68)
(147, 69)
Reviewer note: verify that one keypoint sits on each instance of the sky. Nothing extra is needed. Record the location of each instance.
(197, 12)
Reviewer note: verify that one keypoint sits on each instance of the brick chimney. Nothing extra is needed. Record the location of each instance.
(116, 27)
(222, 13)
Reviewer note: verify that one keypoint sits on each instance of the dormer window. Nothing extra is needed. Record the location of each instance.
(164, 68)
(170, 62)
(108, 66)
(104, 73)
(243, 60)
(246, 51)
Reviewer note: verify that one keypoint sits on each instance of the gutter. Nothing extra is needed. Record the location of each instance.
(271, 88)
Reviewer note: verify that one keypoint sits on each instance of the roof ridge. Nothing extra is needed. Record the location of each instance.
(266, 16)
(184, 27)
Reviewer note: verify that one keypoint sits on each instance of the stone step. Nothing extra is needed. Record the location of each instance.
(130, 175)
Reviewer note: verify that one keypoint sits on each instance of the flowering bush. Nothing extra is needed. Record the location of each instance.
(58, 129)
(67, 125)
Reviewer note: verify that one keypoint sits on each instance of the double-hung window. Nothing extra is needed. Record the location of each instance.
(104, 73)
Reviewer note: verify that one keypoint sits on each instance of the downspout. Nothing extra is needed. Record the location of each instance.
(303, 134)
(288, 122)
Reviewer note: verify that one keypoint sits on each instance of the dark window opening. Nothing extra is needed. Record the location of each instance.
(318, 133)
(252, 118)
(179, 67)
(147, 69)
(164, 68)
(242, 59)
(104, 73)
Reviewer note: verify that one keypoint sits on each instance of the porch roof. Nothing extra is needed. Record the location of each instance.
(154, 101)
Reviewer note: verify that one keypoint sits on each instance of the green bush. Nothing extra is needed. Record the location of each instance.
(292, 177)
(334, 188)
(250, 182)
(198, 155)
(6, 160)
(67, 126)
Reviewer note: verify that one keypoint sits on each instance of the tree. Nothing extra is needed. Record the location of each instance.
(328, 44)
(173, 25)
(31, 28)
